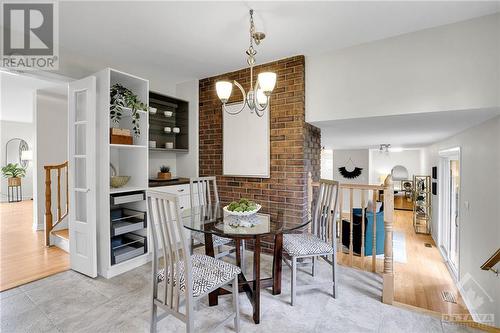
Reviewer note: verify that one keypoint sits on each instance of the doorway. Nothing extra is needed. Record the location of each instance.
(449, 208)
(34, 109)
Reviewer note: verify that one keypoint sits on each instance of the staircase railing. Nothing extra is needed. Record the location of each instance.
(492, 262)
(49, 223)
(358, 196)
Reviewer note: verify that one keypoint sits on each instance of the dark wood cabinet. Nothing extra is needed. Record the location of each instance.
(170, 113)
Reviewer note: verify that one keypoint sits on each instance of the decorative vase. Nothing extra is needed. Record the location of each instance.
(164, 175)
(14, 181)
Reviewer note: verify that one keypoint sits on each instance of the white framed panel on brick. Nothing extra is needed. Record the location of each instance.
(246, 143)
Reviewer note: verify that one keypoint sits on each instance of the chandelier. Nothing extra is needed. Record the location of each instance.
(257, 97)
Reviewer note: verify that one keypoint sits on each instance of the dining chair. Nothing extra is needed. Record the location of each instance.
(204, 193)
(181, 278)
(320, 242)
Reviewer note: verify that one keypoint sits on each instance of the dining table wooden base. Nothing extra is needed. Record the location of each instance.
(251, 287)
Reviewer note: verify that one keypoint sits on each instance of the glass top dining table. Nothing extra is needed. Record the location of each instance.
(213, 220)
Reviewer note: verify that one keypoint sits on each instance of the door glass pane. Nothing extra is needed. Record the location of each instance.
(80, 137)
(80, 173)
(81, 206)
(81, 105)
(454, 204)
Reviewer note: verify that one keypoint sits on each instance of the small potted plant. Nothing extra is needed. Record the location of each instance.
(122, 97)
(164, 172)
(13, 172)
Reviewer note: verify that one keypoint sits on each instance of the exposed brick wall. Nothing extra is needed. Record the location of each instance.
(295, 145)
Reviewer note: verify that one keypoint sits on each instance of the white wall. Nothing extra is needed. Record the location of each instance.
(157, 159)
(360, 157)
(381, 164)
(480, 223)
(326, 164)
(188, 164)
(51, 146)
(452, 67)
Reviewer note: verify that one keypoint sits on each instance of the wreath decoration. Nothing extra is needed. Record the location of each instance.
(354, 173)
(350, 174)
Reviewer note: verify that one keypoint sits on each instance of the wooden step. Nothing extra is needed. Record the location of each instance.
(63, 233)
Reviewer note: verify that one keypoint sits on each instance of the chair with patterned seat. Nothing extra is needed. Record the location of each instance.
(204, 193)
(320, 242)
(181, 278)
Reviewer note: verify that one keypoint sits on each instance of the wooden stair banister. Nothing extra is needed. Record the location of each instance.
(363, 189)
(492, 262)
(49, 223)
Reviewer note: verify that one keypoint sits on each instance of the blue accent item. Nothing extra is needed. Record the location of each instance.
(369, 231)
(357, 215)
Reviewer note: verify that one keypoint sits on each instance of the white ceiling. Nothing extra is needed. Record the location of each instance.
(412, 130)
(181, 41)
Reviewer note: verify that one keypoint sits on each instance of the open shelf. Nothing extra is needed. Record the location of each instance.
(126, 189)
(169, 150)
(121, 146)
(158, 121)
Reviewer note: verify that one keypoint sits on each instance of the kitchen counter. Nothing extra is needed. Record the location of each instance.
(179, 181)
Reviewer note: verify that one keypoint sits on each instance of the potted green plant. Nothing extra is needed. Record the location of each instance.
(13, 172)
(164, 173)
(122, 97)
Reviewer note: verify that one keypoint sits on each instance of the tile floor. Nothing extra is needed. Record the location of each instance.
(71, 302)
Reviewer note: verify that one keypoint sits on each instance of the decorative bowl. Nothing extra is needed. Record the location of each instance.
(249, 213)
(119, 181)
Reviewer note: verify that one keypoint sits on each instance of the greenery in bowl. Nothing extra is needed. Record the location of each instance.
(13, 170)
(164, 169)
(123, 97)
(241, 206)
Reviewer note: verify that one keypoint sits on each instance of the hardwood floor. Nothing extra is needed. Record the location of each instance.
(420, 281)
(23, 255)
(401, 202)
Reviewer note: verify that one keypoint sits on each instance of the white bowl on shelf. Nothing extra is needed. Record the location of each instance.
(168, 114)
(249, 213)
(167, 129)
(169, 145)
(176, 130)
(152, 110)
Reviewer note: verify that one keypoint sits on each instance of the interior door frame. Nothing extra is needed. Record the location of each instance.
(444, 223)
(83, 235)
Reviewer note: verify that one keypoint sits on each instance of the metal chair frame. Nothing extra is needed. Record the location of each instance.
(323, 213)
(206, 188)
(168, 231)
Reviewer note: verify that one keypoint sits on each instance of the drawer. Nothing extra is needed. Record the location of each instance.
(126, 247)
(121, 198)
(176, 189)
(124, 220)
(184, 202)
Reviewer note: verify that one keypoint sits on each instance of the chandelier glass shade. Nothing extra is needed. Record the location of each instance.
(257, 98)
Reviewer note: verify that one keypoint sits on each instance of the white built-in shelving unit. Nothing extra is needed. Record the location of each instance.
(122, 239)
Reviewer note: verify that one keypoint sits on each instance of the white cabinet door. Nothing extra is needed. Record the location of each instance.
(82, 180)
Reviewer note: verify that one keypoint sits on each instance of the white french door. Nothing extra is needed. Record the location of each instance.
(449, 207)
(82, 180)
